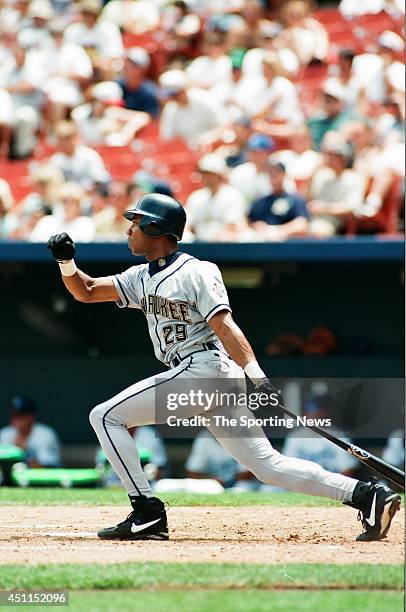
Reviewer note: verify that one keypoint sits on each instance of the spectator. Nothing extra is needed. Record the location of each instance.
(279, 215)
(332, 114)
(208, 459)
(139, 94)
(305, 444)
(6, 203)
(382, 73)
(394, 451)
(152, 454)
(102, 120)
(336, 191)
(101, 39)
(77, 162)
(38, 441)
(129, 16)
(252, 178)
(353, 90)
(45, 181)
(188, 113)
(302, 34)
(143, 182)
(216, 211)
(278, 99)
(212, 68)
(67, 219)
(237, 95)
(299, 159)
(367, 7)
(20, 81)
(36, 32)
(66, 71)
(182, 26)
(109, 222)
(267, 41)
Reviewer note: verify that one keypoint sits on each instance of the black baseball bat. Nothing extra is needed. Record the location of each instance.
(375, 463)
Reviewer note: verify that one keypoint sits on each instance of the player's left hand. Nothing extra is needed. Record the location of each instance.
(62, 247)
(275, 394)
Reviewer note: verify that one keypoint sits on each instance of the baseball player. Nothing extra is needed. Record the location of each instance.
(193, 332)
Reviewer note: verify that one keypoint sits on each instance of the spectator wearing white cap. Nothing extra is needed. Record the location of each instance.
(139, 93)
(66, 70)
(188, 113)
(382, 73)
(67, 218)
(336, 190)
(331, 114)
(101, 39)
(278, 98)
(77, 162)
(216, 212)
(103, 120)
(22, 84)
(36, 33)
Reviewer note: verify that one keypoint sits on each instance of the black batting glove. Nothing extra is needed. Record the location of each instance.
(62, 247)
(265, 386)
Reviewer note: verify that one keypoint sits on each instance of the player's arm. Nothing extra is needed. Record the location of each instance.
(83, 287)
(240, 351)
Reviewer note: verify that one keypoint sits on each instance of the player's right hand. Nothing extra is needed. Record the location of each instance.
(62, 247)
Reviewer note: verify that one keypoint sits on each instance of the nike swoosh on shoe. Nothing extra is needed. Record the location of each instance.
(136, 528)
(372, 513)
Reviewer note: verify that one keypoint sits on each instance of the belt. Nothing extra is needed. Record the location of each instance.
(207, 346)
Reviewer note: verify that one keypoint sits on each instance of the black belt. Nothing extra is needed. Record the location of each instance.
(207, 346)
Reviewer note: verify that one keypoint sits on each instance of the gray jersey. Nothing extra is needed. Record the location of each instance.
(178, 295)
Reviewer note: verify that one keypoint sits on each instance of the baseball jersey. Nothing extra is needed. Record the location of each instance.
(178, 295)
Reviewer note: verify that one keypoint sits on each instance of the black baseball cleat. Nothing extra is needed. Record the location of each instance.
(377, 505)
(147, 521)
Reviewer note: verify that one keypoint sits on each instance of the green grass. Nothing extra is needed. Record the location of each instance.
(163, 576)
(238, 601)
(109, 497)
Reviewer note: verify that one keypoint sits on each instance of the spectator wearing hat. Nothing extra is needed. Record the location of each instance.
(66, 217)
(278, 99)
(101, 39)
(280, 214)
(38, 441)
(109, 223)
(103, 120)
(188, 113)
(332, 113)
(77, 162)
(66, 70)
(139, 93)
(336, 190)
(22, 100)
(216, 212)
(36, 33)
(252, 178)
(267, 41)
(382, 73)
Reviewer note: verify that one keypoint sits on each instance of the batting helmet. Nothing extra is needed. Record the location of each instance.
(161, 215)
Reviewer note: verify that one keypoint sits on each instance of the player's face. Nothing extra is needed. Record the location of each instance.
(138, 242)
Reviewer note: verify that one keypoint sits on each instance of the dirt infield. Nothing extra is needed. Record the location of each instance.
(260, 534)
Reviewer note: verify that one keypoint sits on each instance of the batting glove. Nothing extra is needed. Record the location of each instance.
(62, 247)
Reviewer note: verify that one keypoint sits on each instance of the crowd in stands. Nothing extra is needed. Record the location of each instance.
(268, 120)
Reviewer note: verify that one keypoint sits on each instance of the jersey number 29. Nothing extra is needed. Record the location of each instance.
(176, 332)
